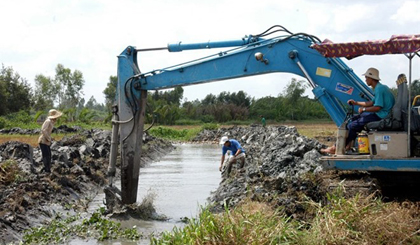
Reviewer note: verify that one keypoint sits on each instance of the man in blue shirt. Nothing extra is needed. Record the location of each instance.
(238, 153)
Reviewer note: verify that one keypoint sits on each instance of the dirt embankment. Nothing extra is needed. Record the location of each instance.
(281, 167)
(29, 197)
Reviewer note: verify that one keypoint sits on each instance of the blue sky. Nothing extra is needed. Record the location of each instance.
(88, 35)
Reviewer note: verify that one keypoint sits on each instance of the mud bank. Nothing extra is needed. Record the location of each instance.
(29, 197)
(281, 167)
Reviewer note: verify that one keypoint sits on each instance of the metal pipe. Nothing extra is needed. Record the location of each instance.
(177, 47)
(150, 49)
(114, 145)
(294, 56)
(410, 57)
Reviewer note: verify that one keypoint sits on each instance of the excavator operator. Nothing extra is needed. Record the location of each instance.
(369, 111)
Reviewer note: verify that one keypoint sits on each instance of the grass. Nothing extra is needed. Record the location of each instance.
(357, 220)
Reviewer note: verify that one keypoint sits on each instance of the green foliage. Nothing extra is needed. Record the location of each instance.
(3, 122)
(168, 133)
(45, 93)
(20, 119)
(15, 92)
(187, 122)
(37, 115)
(174, 134)
(110, 92)
(239, 226)
(60, 230)
(207, 118)
(70, 87)
(209, 126)
(238, 122)
(86, 115)
(356, 220)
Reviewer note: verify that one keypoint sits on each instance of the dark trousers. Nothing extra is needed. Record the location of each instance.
(357, 124)
(46, 156)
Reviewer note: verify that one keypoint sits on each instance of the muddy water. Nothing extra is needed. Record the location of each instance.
(181, 183)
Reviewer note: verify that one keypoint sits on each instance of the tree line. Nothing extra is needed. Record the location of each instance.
(169, 108)
(64, 91)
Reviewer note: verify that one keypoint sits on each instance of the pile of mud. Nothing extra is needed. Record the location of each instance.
(281, 166)
(29, 197)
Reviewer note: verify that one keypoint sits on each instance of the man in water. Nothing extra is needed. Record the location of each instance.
(238, 153)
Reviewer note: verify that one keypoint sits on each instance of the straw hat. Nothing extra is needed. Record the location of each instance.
(53, 114)
(372, 73)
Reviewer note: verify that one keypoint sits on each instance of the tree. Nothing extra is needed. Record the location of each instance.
(173, 96)
(110, 92)
(69, 85)
(210, 99)
(45, 93)
(265, 106)
(15, 92)
(293, 95)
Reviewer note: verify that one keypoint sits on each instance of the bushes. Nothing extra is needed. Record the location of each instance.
(3, 122)
(20, 119)
(180, 134)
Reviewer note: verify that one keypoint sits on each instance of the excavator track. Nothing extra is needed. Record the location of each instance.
(389, 186)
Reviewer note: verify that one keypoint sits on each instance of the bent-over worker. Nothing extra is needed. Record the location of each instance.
(238, 153)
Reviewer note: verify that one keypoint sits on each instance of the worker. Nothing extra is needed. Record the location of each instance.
(369, 111)
(238, 153)
(262, 121)
(45, 139)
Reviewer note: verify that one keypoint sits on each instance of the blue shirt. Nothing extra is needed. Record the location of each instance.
(234, 146)
(383, 98)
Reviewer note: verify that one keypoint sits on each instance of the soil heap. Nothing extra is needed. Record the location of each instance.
(278, 168)
(29, 197)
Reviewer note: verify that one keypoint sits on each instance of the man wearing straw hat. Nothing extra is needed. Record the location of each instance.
(369, 111)
(45, 139)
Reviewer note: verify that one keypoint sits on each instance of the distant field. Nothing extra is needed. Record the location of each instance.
(29, 139)
(322, 131)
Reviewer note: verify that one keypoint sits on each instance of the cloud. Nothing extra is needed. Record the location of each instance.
(408, 13)
(89, 35)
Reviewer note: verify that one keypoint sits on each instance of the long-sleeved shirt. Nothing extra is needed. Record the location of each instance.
(46, 130)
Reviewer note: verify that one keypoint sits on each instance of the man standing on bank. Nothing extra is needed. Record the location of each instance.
(45, 139)
(238, 153)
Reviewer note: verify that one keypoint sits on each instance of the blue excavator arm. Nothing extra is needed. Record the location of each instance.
(333, 84)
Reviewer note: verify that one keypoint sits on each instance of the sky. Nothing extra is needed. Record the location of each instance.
(89, 35)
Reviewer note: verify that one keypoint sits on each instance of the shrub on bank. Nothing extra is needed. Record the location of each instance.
(180, 134)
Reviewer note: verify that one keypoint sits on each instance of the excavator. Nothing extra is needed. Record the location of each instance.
(333, 83)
